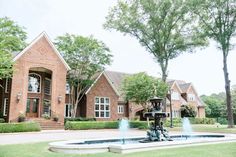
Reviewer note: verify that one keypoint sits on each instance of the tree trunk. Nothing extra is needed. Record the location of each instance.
(228, 93)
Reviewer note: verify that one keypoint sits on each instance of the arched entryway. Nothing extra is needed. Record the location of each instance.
(39, 93)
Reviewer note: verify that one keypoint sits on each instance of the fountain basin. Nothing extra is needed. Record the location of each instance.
(115, 145)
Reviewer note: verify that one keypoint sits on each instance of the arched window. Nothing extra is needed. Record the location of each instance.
(34, 81)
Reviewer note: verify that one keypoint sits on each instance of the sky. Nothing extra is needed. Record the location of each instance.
(204, 68)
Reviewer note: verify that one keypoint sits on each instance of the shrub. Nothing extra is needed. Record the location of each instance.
(222, 120)
(138, 124)
(19, 127)
(79, 119)
(202, 120)
(176, 122)
(21, 117)
(46, 116)
(187, 111)
(55, 118)
(84, 125)
(2, 120)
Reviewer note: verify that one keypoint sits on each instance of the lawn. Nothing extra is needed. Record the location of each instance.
(208, 128)
(41, 150)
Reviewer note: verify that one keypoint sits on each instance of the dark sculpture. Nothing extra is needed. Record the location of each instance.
(156, 131)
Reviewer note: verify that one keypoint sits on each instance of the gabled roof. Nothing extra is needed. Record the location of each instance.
(185, 87)
(17, 55)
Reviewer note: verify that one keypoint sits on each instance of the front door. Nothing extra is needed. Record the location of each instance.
(32, 107)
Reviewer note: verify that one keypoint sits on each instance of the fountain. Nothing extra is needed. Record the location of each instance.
(156, 131)
(155, 134)
(187, 128)
(123, 127)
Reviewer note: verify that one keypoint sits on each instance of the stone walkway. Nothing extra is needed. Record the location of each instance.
(54, 135)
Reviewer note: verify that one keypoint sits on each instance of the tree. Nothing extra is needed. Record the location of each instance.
(216, 104)
(140, 87)
(217, 20)
(12, 38)
(187, 111)
(86, 56)
(163, 27)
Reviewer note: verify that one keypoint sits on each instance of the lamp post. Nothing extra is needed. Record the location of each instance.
(171, 116)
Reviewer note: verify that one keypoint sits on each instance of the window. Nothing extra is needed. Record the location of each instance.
(120, 109)
(47, 107)
(34, 83)
(5, 107)
(102, 107)
(28, 106)
(68, 110)
(7, 85)
(175, 96)
(67, 88)
(191, 97)
(175, 114)
(47, 86)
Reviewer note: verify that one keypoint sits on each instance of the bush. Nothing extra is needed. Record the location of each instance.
(79, 119)
(21, 117)
(222, 120)
(19, 127)
(176, 122)
(138, 124)
(46, 116)
(187, 111)
(2, 120)
(84, 125)
(202, 120)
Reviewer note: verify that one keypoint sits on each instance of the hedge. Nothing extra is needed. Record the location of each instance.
(19, 127)
(84, 125)
(79, 119)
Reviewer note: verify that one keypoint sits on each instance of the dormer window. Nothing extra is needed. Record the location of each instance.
(174, 96)
(191, 97)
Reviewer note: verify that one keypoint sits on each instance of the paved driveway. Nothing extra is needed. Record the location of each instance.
(53, 135)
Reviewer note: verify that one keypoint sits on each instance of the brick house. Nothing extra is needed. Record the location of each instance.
(104, 100)
(38, 87)
(38, 83)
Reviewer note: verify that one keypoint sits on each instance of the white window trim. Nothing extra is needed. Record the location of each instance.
(40, 82)
(68, 92)
(120, 109)
(191, 96)
(50, 86)
(104, 107)
(173, 97)
(6, 86)
(4, 106)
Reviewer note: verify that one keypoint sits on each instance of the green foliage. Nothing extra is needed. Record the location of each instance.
(202, 120)
(215, 103)
(86, 56)
(140, 87)
(217, 20)
(84, 125)
(12, 38)
(163, 27)
(21, 117)
(2, 120)
(46, 116)
(79, 119)
(138, 124)
(187, 111)
(19, 127)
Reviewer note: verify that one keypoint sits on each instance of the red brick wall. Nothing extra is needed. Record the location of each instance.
(40, 55)
(102, 88)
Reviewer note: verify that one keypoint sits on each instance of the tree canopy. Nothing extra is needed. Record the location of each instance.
(163, 27)
(12, 38)
(140, 87)
(86, 56)
(217, 21)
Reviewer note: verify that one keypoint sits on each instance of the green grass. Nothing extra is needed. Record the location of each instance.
(41, 150)
(208, 128)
